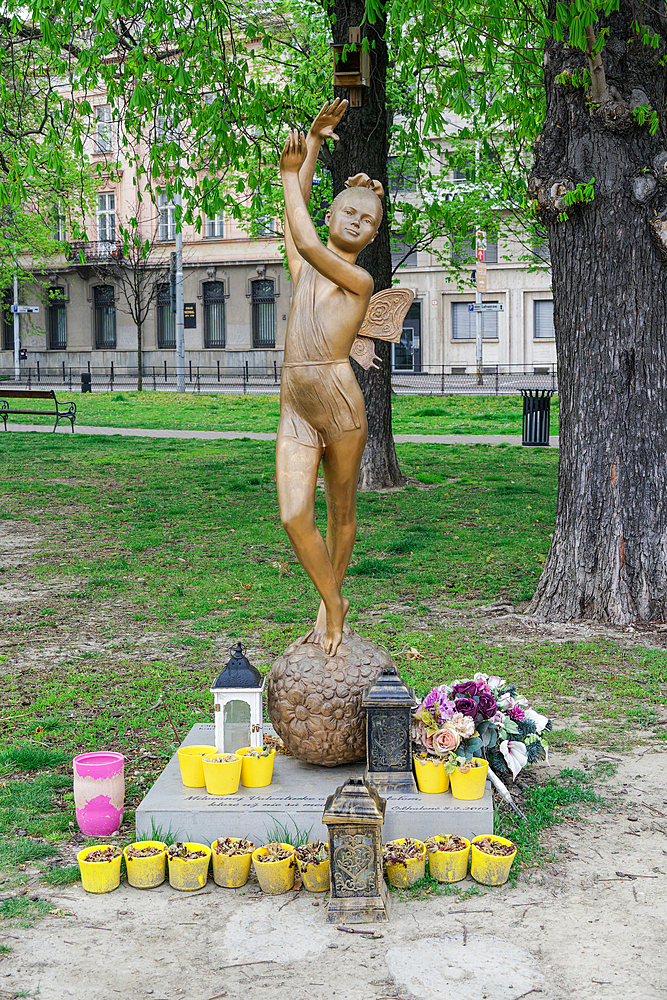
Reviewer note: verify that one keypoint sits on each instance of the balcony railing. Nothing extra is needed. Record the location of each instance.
(95, 252)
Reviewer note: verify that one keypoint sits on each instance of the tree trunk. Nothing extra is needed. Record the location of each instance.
(364, 147)
(140, 355)
(608, 556)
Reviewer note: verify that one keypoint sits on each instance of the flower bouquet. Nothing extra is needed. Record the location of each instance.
(479, 717)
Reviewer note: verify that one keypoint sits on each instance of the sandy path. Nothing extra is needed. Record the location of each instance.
(574, 930)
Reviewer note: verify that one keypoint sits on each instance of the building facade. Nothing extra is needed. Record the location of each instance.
(237, 294)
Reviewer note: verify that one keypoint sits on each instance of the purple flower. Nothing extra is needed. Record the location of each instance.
(437, 703)
(430, 699)
(466, 689)
(443, 707)
(487, 705)
(517, 714)
(467, 706)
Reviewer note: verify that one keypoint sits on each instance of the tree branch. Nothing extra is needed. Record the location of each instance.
(599, 90)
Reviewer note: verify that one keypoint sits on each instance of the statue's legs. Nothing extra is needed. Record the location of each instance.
(340, 467)
(296, 481)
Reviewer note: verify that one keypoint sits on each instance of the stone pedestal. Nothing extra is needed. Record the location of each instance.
(314, 700)
(296, 798)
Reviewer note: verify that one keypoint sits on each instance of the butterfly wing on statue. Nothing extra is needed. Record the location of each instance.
(383, 321)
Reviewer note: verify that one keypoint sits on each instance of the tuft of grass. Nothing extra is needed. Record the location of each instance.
(375, 568)
(66, 875)
(158, 832)
(546, 805)
(5, 949)
(20, 850)
(429, 886)
(20, 911)
(32, 757)
(33, 805)
(281, 833)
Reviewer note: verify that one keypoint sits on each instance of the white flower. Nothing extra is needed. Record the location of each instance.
(539, 720)
(495, 682)
(505, 701)
(463, 724)
(515, 755)
(481, 678)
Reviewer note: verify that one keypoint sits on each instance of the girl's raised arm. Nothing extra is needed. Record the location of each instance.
(322, 128)
(308, 244)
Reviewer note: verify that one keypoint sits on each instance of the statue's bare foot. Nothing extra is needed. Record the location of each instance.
(334, 629)
(318, 633)
(320, 628)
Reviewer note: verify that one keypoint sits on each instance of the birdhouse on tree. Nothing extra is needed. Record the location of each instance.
(352, 67)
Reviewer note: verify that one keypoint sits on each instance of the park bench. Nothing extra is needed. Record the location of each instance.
(63, 411)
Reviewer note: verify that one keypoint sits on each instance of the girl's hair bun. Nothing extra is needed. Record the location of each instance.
(363, 180)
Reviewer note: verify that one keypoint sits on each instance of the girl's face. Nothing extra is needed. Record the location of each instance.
(354, 220)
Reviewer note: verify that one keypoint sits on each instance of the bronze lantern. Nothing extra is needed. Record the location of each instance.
(389, 706)
(354, 815)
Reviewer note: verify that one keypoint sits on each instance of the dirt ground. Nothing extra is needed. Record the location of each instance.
(579, 929)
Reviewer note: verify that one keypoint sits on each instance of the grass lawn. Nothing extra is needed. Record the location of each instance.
(215, 412)
(149, 557)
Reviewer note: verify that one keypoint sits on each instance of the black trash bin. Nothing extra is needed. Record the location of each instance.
(85, 382)
(536, 416)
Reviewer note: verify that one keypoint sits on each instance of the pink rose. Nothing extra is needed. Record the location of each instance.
(446, 740)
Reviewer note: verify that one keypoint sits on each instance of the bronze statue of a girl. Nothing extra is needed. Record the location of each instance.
(322, 414)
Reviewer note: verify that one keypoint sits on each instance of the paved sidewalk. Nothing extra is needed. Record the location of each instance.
(153, 432)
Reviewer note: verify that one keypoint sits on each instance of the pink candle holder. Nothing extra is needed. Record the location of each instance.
(99, 792)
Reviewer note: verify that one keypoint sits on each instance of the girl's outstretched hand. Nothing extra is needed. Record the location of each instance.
(294, 152)
(327, 120)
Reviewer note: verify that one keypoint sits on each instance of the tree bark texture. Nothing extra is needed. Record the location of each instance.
(608, 556)
(364, 147)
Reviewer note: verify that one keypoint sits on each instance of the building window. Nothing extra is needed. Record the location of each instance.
(167, 219)
(214, 314)
(165, 131)
(401, 253)
(399, 175)
(463, 253)
(266, 226)
(166, 319)
(103, 136)
(464, 325)
(215, 226)
(57, 318)
(7, 320)
(541, 251)
(465, 171)
(544, 319)
(59, 232)
(263, 313)
(106, 217)
(105, 316)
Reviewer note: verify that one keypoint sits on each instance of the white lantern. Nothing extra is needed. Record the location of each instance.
(237, 698)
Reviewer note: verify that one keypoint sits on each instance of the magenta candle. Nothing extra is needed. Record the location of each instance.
(99, 792)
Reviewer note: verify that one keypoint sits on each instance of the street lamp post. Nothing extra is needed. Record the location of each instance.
(17, 333)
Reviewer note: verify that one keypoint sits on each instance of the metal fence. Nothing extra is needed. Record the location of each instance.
(431, 381)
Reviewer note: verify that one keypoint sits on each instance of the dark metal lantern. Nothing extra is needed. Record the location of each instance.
(389, 706)
(354, 815)
(239, 672)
